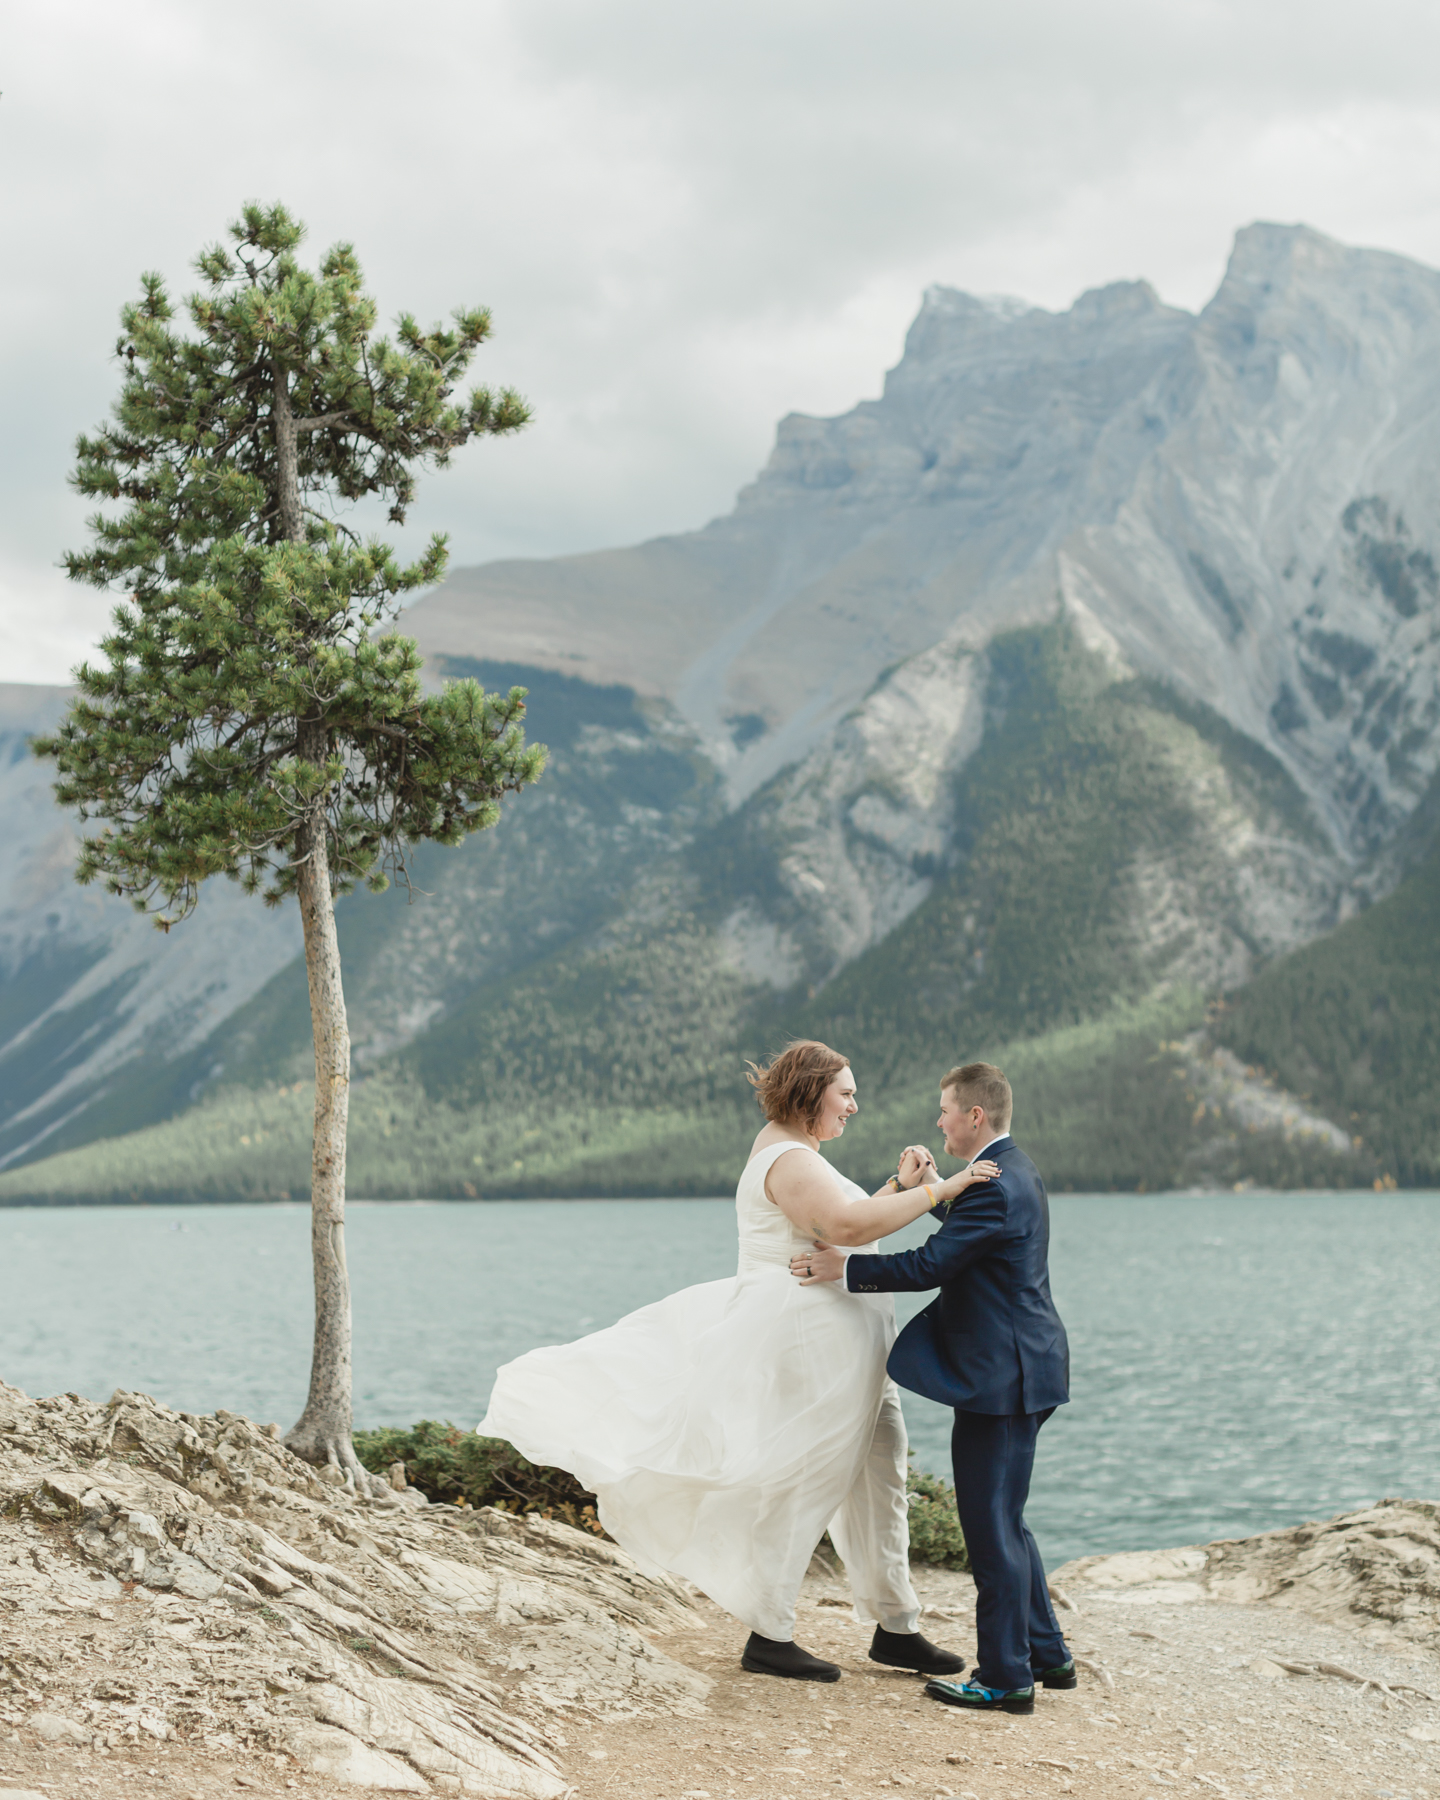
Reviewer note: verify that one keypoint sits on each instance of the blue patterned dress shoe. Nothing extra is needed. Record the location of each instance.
(1061, 1676)
(973, 1697)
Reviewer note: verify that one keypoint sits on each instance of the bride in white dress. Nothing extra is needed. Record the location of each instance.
(724, 1429)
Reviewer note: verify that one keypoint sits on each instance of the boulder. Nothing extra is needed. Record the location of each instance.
(324, 1750)
(56, 1729)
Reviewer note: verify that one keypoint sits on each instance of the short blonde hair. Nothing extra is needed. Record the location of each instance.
(791, 1086)
(982, 1084)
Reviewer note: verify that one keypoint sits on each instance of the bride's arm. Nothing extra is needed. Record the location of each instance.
(810, 1198)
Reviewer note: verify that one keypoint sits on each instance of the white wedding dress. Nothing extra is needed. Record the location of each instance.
(724, 1428)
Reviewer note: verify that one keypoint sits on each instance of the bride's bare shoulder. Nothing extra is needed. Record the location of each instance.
(769, 1135)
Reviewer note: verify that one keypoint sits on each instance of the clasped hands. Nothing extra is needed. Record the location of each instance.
(823, 1262)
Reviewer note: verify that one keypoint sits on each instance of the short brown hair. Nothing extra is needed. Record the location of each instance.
(982, 1084)
(791, 1086)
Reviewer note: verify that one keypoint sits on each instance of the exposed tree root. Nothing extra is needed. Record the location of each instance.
(327, 1450)
(1393, 1690)
(1095, 1668)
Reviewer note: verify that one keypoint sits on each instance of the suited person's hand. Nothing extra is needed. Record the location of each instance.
(823, 1263)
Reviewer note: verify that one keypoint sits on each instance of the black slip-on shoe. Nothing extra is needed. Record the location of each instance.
(972, 1697)
(1061, 1676)
(763, 1656)
(908, 1650)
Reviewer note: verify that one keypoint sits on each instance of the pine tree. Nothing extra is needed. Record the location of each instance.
(252, 717)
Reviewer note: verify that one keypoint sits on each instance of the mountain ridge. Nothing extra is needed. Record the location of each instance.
(1194, 555)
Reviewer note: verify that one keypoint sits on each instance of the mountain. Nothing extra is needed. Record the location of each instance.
(1083, 679)
(1355, 1017)
(1229, 497)
(99, 1012)
(108, 1024)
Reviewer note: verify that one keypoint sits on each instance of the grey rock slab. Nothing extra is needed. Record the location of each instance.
(56, 1729)
(419, 1724)
(326, 1750)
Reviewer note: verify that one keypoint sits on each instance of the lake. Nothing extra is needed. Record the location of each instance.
(1240, 1361)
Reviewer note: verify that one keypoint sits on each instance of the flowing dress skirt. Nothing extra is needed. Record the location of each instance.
(723, 1429)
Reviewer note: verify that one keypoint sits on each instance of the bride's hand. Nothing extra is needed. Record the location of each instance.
(978, 1171)
(916, 1165)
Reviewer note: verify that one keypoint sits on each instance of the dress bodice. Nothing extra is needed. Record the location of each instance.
(767, 1238)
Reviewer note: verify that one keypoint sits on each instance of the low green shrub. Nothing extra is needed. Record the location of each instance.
(448, 1464)
(935, 1534)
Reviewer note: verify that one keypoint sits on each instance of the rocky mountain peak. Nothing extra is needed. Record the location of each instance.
(1178, 466)
(958, 338)
(984, 386)
(954, 327)
(1326, 302)
(1267, 253)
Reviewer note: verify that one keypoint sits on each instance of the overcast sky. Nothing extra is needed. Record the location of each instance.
(688, 219)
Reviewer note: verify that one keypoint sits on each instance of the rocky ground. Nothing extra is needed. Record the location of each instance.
(186, 1610)
(184, 1604)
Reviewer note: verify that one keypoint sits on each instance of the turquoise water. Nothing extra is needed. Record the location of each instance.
(1240, 1361)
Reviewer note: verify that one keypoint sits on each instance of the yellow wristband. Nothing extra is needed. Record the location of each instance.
(930, 1197)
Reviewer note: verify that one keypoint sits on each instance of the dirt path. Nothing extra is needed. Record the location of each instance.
(1189, 1710)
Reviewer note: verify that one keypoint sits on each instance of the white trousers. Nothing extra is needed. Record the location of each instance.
(871, 1531)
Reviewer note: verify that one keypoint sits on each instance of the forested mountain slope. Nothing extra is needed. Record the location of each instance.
(101, 1016)
(1353, 1022)
(1110, 845)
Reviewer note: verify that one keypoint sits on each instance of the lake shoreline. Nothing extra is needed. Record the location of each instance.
(151, 1201)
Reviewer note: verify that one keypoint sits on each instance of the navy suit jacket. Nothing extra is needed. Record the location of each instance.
(992, 1341)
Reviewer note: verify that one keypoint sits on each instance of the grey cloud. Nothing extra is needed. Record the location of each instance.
(688, 220)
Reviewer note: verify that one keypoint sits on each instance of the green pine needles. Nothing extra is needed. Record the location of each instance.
(252, 718)
(248, 686)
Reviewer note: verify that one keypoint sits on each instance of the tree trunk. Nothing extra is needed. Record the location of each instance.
(322, 1434)
(287, 458)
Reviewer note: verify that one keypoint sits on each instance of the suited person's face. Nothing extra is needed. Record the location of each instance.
(836, 1106)
(966, 1128)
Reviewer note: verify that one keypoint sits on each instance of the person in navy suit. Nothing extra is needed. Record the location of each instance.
(992, 1346)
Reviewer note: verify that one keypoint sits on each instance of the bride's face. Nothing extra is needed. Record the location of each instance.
(837, 1105)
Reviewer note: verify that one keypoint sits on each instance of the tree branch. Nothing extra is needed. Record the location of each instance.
(323, 422)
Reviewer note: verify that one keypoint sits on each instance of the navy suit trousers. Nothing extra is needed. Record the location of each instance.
(1015, 1625)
